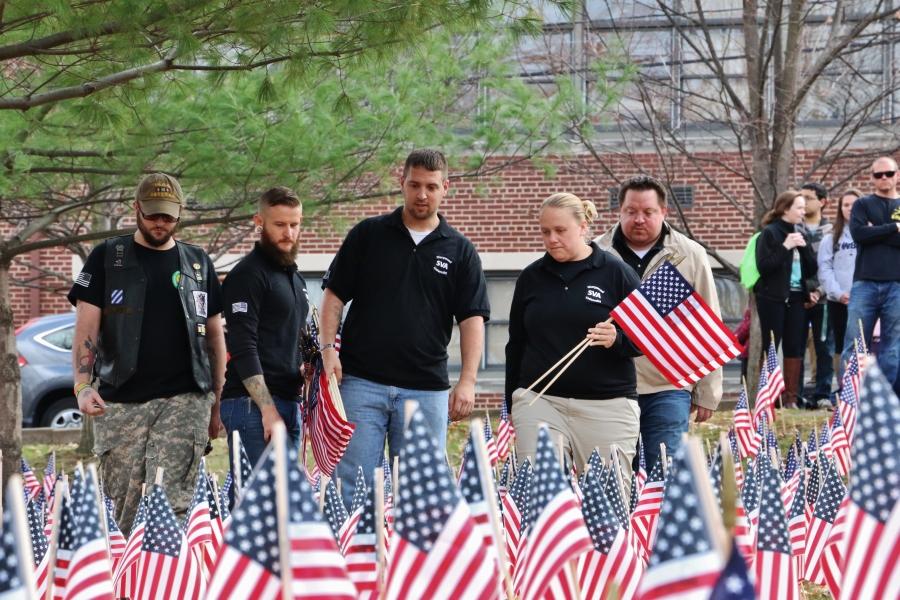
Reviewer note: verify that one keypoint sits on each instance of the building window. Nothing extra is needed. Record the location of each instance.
(496, 330)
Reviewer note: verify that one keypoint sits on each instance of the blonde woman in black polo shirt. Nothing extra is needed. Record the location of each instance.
(560, 299)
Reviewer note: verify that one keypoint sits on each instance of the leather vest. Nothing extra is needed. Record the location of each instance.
(125, 293)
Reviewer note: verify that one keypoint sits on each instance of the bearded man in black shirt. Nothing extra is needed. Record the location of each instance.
(266, 307)
(149, 352)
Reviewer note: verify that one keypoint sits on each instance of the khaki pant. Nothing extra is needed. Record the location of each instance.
(132, 440)
(583, 424)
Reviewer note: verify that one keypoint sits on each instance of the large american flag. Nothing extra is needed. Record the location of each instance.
(775, 575)
(558, 533)
(436, 550)
(166, 568)
(675, 328)
(612, 558)
(684, 559)
(325, 424)
(317, 568)
(872, 540)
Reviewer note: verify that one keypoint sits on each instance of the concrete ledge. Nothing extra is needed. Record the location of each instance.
(47, 435)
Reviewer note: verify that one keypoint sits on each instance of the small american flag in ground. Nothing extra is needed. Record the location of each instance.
(90, 567)
(506, 433)
(50, 476)
(675, 328)
(198, 525)
(471, 487)
(872, 540)
(361, 552)
(493, 454)
(117, 540)
(317, 568)
(126, 574)
(557, 532)
(775, 575)
(684, 560)
(248, 565)
(64, 542)
(771, 384)
(748, 443)
(839, 443)
(167, 568)
(30, 482)
(824, 515)
(334, 510)
(39, 546)
(848, 401)
(797, 524)
(515, 504)
(734, 582)
(436, 550)
(612, 558)
(646, 513)
(12, 581)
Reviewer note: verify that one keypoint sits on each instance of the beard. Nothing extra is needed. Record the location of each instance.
(271, 249)
(152, 240)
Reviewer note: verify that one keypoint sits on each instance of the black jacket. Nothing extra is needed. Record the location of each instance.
(774, 261)
(873, 225)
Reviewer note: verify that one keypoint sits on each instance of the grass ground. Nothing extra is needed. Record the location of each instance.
(789, 422)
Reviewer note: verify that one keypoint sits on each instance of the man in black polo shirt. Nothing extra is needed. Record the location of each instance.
(265, 309)
(408, 274)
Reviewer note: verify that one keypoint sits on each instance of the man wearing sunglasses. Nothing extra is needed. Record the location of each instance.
(875, 227)
(149, 352)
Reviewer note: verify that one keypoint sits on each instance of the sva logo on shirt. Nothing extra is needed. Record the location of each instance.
(593, 294)
(441, 264)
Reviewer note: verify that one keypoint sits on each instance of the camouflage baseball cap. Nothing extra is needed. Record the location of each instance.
(159, 193)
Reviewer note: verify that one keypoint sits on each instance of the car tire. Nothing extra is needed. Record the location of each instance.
(62, 414)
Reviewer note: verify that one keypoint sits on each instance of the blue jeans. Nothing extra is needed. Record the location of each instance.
(242, 415)
(870, 300)
(377, 411)
(664, 418)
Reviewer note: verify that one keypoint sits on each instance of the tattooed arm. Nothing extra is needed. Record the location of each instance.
(84, 355)
(215, 347)
(256, 387)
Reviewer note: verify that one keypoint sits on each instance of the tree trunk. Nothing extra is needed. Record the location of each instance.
(754, 351)
(10, 382)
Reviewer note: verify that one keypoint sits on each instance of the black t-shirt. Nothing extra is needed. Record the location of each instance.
(164, 353)
(266, 307)
(553, 306)
(404, 300)
(638, 263)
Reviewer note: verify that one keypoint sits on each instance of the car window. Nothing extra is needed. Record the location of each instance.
(61, 339)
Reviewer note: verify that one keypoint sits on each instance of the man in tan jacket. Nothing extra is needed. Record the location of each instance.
(644, 241)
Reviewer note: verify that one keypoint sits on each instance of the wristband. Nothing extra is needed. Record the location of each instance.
(80, 387)
(326, 347)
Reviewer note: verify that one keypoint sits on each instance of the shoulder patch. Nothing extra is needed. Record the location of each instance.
(83, 279)
(238, 307)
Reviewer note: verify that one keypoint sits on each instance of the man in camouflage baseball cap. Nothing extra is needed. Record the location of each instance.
(160, 194)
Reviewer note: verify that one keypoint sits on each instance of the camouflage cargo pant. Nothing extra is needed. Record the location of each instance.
(132, 440)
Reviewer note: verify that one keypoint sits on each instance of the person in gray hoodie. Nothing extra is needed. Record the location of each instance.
(837, 259)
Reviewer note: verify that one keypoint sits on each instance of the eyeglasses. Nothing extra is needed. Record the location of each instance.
(880, 174)
(158, 217)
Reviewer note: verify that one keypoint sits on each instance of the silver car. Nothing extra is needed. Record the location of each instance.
(45, 361)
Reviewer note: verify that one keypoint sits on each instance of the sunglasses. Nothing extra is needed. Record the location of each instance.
(880, 174)
(158, 217)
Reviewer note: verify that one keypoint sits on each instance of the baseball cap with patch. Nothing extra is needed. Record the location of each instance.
(159, 193)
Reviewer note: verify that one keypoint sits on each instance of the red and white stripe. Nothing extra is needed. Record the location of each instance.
(89, 573)
(238, 577)
(317, 568)
(30, 482)
(42, 576)
(840, 447)
(362, 564)
(645, 517)
(692, 578)
(686, 345)
(117, 545)
(775, 576)
(597, 570)
(833, 554)
(744, 533)
(164, 576)
(558, 535)
(747, 437)
(329, 431)
(506, 434)
(456, 566)
(61, 573)
(126, 574)
(512, 523)
(872, 555)
(347, 530)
